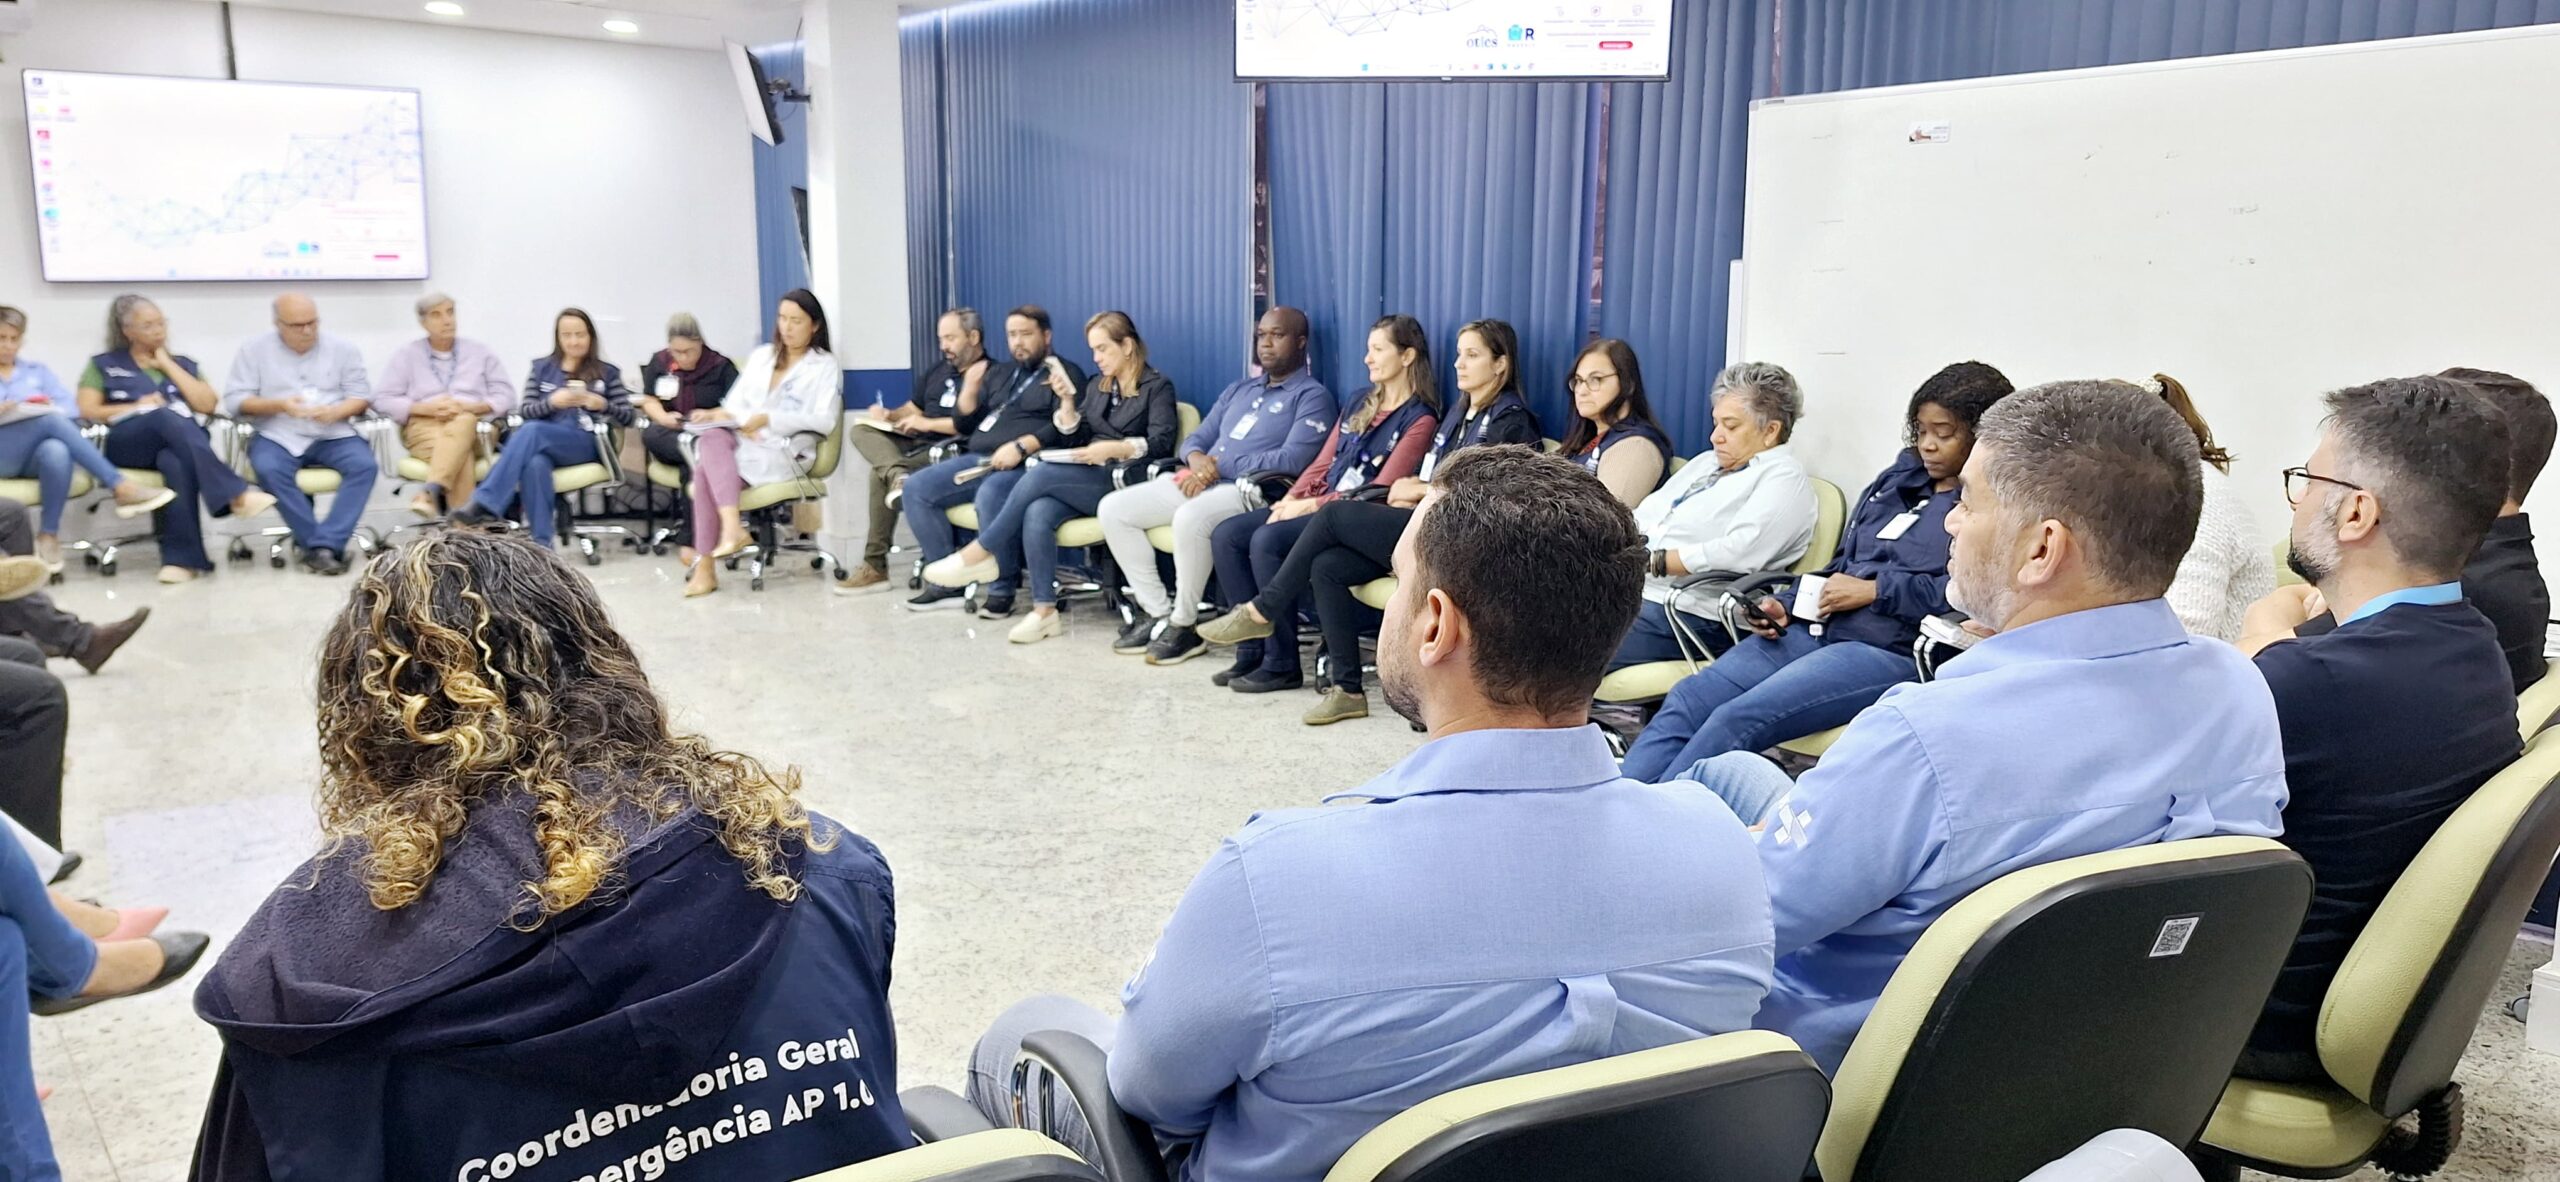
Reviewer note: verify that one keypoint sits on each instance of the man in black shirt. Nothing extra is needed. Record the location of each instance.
(945, 404)
(2394, 718)
(1015, 401)
(2504, 579)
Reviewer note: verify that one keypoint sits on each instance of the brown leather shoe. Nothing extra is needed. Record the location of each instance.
(106, 639)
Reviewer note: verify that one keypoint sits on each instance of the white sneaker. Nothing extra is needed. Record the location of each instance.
(1037, 627)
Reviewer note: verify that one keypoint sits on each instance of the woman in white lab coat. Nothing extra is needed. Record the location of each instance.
(760, 433)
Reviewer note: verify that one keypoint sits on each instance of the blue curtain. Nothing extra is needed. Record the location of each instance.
(928, 262)
(782, 257)
(1672, 207)
(1450, 202)
(1097, 159)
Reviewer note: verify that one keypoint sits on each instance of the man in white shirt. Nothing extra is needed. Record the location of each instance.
(301, 391)
(1746, 507)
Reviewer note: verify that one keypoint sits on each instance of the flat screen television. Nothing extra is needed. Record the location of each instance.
(141, 178)
(1454, 40)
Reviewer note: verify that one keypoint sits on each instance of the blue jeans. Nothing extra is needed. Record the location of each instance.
(178, 447)
(349, 456)
(930, 493)
(1651, 638)
(1747, 784)
(1762, 693)
(1024, 537)
(40, 953)
(1249, 551)
(47, 447)
(522, 472)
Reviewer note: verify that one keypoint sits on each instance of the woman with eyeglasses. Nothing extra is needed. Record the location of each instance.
(1615, 436)
(2227, 568)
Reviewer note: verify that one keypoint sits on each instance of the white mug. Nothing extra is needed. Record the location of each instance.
(1808, 604)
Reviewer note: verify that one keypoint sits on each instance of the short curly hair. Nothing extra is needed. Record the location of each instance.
(1965, 390)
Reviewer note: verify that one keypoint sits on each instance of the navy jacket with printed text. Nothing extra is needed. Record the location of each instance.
(679, 1025)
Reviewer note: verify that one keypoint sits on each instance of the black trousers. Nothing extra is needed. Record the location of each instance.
(1347, 543)
(57, 632)
(34, 716)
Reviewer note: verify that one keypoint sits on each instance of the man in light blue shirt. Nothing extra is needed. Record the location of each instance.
(2090, 720)
(300, 391)
(1500, 902)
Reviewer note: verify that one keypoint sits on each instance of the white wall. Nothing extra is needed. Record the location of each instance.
(2264, 227)
(613, 177)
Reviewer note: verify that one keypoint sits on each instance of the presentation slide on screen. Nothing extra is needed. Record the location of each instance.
(142, 178)
(1473, 39)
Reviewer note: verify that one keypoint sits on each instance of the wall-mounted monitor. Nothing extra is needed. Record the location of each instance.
(1454, 40)
(142, 178)
(755, 94)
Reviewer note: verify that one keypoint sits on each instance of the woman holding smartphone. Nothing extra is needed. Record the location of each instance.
(566, 394)
(1127, 415)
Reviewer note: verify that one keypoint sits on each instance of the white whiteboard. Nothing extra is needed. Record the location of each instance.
(145, 178)
(2264, 227)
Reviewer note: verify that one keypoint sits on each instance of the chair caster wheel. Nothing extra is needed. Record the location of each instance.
(594, 559)
(90, 557)
(276, 561)
(755, 584)
(239, 552)
(817, 564)
(106, 567)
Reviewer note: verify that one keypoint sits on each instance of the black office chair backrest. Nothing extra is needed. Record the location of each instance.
(1741, 1107)
(2094, 993)
(2402, 1009)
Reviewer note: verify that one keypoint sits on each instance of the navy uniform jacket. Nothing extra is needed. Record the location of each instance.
(1015, 400)
(680, 1026)
(1910, 571)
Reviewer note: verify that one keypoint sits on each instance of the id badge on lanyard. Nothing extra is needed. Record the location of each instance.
(1902, 523)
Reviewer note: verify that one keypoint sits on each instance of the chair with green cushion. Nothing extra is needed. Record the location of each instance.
(2401, 1010)
(568, 481)
(997, 1155)
(1649, 682)
(1739, 1107)
(2109, 991)
(314, 483)
(764, 507)
(2537, 705)
(662, 475)
(29, 493)
(1085, 533)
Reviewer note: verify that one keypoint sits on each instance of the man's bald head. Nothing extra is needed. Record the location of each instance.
(297, 321)
(1280, 342)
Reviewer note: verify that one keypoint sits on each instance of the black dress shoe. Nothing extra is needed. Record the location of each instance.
(70, 866)
(1263, 681)
(996, 607)
(471, 516)
(1136, 636)
(179, 952)
(106, 639)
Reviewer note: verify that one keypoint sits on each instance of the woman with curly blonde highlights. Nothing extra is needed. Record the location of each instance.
(546, 934)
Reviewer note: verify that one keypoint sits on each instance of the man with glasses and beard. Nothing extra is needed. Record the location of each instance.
(2393, 719)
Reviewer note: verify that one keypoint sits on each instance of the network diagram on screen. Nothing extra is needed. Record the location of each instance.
(1467, 39)
(142, 178)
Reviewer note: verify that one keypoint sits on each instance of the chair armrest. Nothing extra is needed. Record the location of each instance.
(1274, 484)
(939, 1114)
(935, 453)
(1124, 1147)
(1127, 473)
(608, 450)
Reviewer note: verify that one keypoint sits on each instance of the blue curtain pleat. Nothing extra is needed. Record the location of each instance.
(1674, 219)
(928, 275)
(1328, 218)
(782, 257)
(1097, 159)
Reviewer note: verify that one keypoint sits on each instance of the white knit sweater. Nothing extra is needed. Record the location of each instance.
(2227, 569)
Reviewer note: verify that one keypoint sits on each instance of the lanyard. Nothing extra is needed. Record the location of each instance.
(443, 373)
(1702, 486)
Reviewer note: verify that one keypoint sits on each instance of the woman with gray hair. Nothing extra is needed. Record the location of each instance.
(1745, 507)
(682, 380)
(439, 390)
(137, 375)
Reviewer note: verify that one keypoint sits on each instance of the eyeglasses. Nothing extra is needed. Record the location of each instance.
(1579, 382)
(2297, 483)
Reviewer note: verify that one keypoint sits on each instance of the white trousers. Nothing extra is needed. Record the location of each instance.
(1128, 514)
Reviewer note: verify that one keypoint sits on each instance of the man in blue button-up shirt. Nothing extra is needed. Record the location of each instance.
(1272, 423)
(1500, 902)
(2089, 721)
(301, 391)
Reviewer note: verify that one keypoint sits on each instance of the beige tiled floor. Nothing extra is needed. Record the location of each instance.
(1042, 807)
